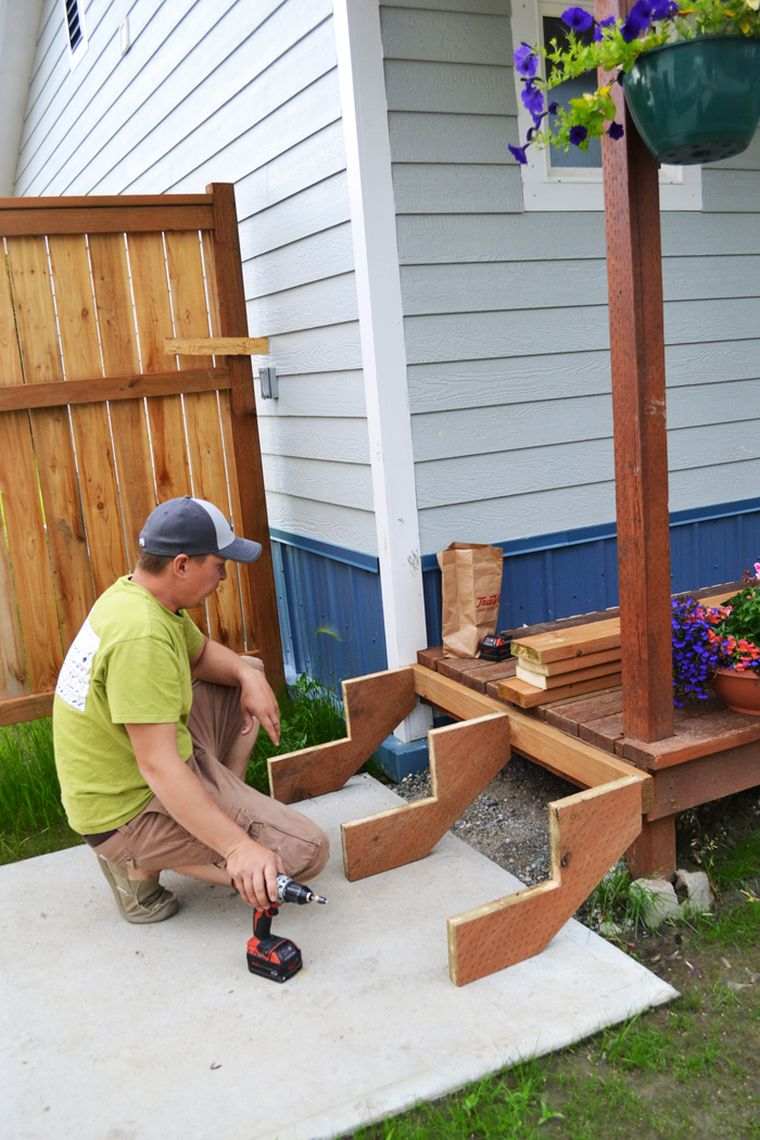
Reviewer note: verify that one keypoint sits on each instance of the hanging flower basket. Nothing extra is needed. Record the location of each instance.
(690, 70)
(698, 100)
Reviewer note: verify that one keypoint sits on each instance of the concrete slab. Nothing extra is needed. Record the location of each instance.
(118, 1032)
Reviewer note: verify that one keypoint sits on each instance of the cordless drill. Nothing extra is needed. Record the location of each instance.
(269, 956)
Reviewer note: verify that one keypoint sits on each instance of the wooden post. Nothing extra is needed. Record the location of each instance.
(634, 281)
(233, 322)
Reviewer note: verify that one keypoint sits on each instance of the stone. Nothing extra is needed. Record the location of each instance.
(659, 902)
(699, 896)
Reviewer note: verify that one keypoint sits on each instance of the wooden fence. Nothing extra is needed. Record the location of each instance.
(99, 422)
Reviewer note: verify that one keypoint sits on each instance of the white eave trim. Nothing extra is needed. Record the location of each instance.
(19, 22)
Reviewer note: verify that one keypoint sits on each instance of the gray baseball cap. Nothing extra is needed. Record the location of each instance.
(193, 526)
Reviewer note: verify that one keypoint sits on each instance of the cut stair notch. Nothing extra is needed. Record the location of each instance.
(589, 832)
(373, 705)
(464, 758)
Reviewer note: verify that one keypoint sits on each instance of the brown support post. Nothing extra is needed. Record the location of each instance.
(634, 281)
(233, 322)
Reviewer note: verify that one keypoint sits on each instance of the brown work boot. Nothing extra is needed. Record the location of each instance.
(139, 900)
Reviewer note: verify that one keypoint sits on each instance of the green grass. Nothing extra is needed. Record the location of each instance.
(616, 901)
(309, 715)
(32, 820)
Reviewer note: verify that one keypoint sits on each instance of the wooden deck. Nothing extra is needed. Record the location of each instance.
(713, 752)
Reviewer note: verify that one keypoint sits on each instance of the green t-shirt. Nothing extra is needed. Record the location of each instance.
(129, 664)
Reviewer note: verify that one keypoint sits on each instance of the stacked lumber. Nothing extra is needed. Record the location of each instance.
(564, 663)
(571, 661)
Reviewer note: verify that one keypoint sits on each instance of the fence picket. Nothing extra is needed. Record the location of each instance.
(204, 431)
(51, 434)
(92, 436)
(113, 302)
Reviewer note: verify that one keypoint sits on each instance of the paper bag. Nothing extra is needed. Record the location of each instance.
(471, 581)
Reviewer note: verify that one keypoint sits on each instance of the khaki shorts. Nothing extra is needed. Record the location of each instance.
(153, 841)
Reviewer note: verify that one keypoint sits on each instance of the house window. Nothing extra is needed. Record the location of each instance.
(572, 180)
(75, 29)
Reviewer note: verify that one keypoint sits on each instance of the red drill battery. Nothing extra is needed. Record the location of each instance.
(495, 647)
(270, 956)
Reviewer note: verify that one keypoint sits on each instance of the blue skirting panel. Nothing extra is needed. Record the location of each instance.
(331, 609)
(331, 613)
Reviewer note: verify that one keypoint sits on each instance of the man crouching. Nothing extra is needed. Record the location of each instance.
(153, 725)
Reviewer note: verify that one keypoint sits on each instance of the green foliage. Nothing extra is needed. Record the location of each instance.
(738, 927)
(618, 902)
(309, 714)
(614, 48)
(32, 820)
(743, 620)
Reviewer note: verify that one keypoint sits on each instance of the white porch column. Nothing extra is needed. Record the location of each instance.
(378, 288)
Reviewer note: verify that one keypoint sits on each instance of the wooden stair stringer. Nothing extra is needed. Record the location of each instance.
(373, 705)
(589, 831)
(464, 758)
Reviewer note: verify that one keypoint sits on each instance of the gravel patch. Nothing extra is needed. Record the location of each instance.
(509, 821)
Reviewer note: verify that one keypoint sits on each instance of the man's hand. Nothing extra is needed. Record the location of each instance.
(258, 700)
(254, 870)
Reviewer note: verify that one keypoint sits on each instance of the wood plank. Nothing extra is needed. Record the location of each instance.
(430, 657)
(604, 732)
(74, 587)
(565, 755)
(568, 664)
(588, 831)
(527, 696)
(571, 713)
(492, 671)
(562, 644)
(154, 324)
(96, 389)
(562, 680)
(86, 220)
(201, 345)
(96, 470)
(121, 361)
(696, 735)
(30, 649)
(374, 706)
(707, 778)
(464, 758)
(225, 276)
(104, 201)
(204, 429)
(30, 707)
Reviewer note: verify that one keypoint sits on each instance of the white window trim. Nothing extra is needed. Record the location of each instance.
(75, 56)
(580, 188)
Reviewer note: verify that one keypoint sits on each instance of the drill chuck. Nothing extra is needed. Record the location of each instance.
(288, 890)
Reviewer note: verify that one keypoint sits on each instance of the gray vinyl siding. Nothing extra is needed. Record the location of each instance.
(242, 91)
(505, 311)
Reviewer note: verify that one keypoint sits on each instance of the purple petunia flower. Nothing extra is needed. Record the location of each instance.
(553, 108)
(533, 99)
(615, 130)
(663, 9)
(577, 135)
(526, 61)
(518, 152)
(577, 19)
(639, 19)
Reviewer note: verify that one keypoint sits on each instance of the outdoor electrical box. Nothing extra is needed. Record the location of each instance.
(268, 382)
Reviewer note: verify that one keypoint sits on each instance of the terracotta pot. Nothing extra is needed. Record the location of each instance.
(739, 690)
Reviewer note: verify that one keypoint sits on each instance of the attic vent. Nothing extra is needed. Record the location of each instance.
(74, 24)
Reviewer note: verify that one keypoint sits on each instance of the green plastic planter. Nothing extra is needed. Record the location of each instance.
(698, 100)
